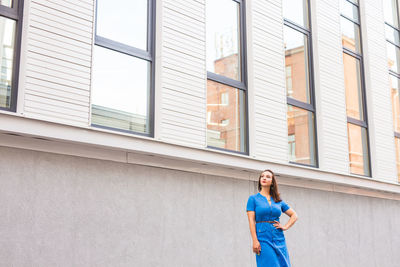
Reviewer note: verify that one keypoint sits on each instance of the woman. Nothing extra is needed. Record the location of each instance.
(263, 211)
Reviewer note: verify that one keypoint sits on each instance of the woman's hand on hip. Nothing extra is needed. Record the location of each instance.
(278, 225)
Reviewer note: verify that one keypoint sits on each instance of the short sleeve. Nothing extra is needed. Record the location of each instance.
(251, 205)
(284, 206)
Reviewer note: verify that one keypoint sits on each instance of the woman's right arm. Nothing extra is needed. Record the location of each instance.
(252, 224)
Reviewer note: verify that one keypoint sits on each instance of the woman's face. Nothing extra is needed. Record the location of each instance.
(266, 179)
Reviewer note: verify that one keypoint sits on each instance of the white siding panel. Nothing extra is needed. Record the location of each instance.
(58, 60)
(183, 101)
(269, 81)
(378, 93)
(329, 87)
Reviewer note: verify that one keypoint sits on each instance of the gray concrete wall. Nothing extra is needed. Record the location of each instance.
(61, 210)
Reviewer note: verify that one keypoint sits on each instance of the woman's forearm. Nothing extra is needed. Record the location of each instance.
(291, 221)
(252, 225)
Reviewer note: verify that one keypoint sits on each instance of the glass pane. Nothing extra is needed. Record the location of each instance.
(358, 149)
(223, 38)
(390, 12)
(301, 139)
(7, 37)
(397, 143)
(7, 3)
(120, 91)
(393, 57)
(296, 11)
(225, 117)
(123, 21)
(352, 82)
(392, 34)
(349, 10)
(296, 62)
(394, 92)
(350, 34)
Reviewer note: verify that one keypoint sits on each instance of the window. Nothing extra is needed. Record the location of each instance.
(392, 30)
(226, 76)
(123, 69)
(357, 127)
(299, 83)
(10, 42)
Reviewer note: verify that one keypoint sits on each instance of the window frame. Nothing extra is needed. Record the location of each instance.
(148, 56)
(297, 103)
(359, 56)
(15, 13)
(238, 85)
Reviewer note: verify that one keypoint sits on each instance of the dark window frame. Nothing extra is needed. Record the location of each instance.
(148, 56)
(297, 103)
(392, 73)
(359, 56)
(238, 85)
(15, 13)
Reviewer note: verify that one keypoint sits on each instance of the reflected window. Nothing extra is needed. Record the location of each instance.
(299, 88)
(225, 123)
(223, 38)
(301, 137)
(9, 50)
(358, 149)
(352, 81)
(296, 61)
(122, 66)
(296, 11)
(7, 3)
(357, 128)
(226, 88)
(392, 30)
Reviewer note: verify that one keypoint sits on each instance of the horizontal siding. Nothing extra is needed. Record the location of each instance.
(378, 93)
(329, 88)
(183, 100)
(269, 81)
(58, 61)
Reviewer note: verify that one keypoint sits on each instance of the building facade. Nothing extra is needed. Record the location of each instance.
(133, 132)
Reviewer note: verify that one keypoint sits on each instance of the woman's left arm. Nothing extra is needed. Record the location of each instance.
(293, 218)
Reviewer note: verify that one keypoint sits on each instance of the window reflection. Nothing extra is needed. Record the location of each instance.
(7, 3)
(349, 10)
(397, 143)
(123, 21)
(393, 57)
(296, 62)
(223, 38)
(350, 34)
(390, 12)
(358, 149)
(120, 91)
(352, 79)
(392, 35)
(225, 122)
(301, 139)
(296, 11)
(7, 36)
(394, 92)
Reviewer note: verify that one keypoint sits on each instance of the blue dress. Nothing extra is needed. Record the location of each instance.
(274, 252)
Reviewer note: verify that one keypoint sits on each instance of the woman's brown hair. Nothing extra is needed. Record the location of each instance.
(274, 186)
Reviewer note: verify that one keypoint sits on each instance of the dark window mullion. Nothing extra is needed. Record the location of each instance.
(352, 53)
(123, 48)
(396, 45)
(300, 104)
(391, 26)
(8, 12)
(395, 74)
(225, 80)
(351, 20)
(296, 26)
(357, 122)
